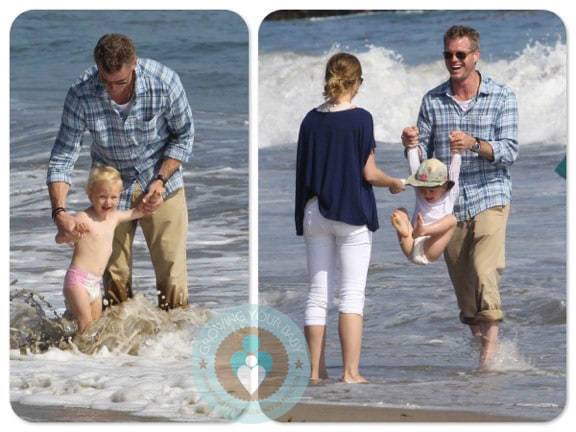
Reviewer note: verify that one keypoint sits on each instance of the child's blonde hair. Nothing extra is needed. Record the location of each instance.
(106, 174)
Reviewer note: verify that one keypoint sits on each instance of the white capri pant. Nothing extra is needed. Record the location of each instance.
(333, 247)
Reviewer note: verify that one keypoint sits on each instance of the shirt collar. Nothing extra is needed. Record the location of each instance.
(100, 90)
(446, 89)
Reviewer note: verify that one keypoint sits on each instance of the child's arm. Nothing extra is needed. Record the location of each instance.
(413, 159)
(81, 228)
(128, 215)
(455, 164)
(138, 211)
(410, 143)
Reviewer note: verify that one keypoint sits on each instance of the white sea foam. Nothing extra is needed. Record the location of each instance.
(136, 359)
(392, 91)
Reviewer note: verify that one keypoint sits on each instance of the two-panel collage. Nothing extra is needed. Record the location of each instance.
(374, 230)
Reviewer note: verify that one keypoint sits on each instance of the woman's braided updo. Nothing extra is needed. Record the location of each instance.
(343, 70)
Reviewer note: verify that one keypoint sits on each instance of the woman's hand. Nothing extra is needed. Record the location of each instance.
(397, 186)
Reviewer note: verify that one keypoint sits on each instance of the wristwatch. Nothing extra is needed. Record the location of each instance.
(476, 146)
(163, 179)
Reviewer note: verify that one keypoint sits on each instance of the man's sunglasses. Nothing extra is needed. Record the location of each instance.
(460, 55)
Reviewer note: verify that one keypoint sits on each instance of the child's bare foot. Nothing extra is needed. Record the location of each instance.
(400, 222)
(418, 230)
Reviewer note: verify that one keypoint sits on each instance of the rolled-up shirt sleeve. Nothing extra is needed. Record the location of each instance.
(505, 144)
(68, 142)
(180, 123)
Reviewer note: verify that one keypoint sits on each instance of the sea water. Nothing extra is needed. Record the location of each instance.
(136, 358)
(415, 351)
(416, 354)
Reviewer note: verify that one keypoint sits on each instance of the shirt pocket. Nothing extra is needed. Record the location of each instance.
(101, 131)
(145, 132)
(480, 126)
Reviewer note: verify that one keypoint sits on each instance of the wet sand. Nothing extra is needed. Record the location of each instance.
(362, 414)
(32, 413)
(300, 413)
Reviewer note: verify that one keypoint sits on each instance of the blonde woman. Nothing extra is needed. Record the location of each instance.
(335, 211)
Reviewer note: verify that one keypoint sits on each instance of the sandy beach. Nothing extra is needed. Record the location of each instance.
(32, 413)
(306, 413)
(345, 413)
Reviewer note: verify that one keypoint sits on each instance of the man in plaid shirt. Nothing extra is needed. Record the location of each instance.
(474, 115)
(137, 114)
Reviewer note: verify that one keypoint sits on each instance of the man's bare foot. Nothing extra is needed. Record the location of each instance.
(400, 222)
(489, 332)
(489, 348)
(475, 330)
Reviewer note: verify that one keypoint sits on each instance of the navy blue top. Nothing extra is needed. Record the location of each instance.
(333, 148)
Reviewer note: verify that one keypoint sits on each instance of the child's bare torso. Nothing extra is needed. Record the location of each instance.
(93, 250)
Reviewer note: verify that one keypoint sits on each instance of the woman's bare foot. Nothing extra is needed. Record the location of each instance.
(319, 380)
(401, 223)
(322, 375)
(357, 379)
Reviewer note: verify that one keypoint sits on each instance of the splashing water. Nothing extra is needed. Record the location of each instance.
(125, 328)
(31, 329)
(135, 358)
(509, 358)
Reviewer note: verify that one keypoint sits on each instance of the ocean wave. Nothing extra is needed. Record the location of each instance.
(291, 84)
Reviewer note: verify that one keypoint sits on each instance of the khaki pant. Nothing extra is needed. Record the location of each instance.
(165, 233)
(475, 257)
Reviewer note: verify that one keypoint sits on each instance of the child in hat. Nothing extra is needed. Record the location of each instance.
(424, 238)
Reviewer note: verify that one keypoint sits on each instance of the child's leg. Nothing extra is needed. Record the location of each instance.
(78, 301)
(401, 221)
(440, 233)
(96, 308)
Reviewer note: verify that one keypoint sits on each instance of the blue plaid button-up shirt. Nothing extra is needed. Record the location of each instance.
(158, 125)
(492, 117)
